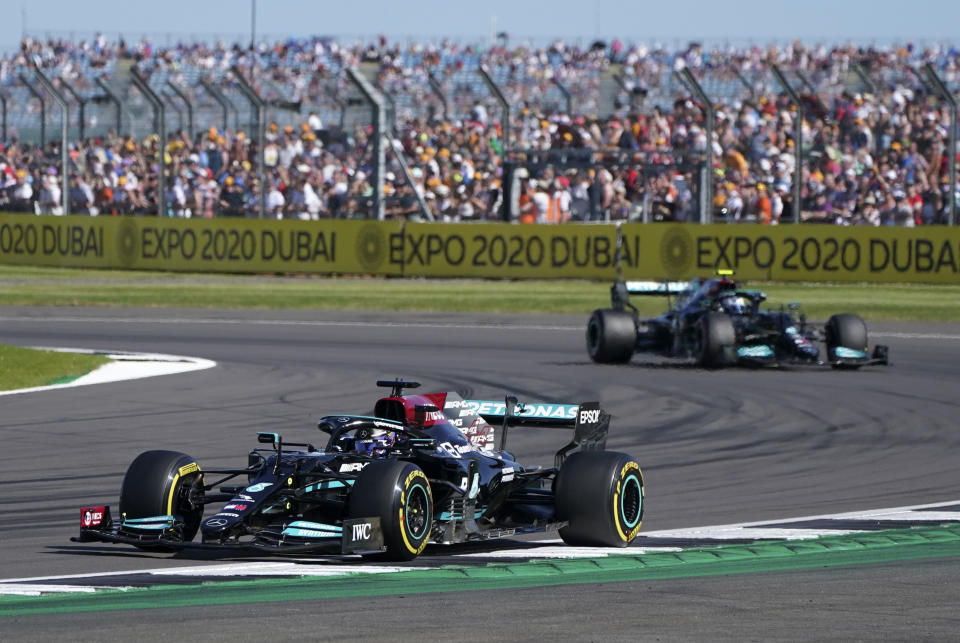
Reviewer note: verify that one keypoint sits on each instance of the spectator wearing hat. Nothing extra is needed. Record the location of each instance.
(21, 195)
(231, 201)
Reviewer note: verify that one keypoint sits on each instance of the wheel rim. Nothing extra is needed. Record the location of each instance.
(631, 501)
(417, 512)
(182, 506)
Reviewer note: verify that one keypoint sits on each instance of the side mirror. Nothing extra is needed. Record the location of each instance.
(268, 438)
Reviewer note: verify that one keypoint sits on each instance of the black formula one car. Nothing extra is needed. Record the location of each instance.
(422, 469)
(718, 323)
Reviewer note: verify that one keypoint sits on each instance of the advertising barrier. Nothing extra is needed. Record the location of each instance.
(198, 245)
(813, 252)
(506, 250)
(494, 250)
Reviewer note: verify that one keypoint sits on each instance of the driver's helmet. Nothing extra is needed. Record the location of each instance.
(734, 305)
(375, 442)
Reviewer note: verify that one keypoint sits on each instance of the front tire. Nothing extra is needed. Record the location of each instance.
(399, 494)
(845, 330)
(164, 483)
(718, 340)
(611, 336)
(600, 494)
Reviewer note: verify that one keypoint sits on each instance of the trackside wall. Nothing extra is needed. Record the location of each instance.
(648, 251)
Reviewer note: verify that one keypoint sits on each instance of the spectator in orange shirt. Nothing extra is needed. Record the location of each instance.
(764, 207)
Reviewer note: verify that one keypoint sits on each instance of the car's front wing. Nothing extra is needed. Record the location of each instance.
(355, 536)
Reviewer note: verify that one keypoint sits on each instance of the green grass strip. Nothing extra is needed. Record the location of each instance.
(21, 286)
(778, 556)
(27, 367)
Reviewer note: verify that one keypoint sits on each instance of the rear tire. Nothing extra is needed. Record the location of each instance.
(845, 330)
(399, 494)
(718, 340)
(611, 336)
(164, 483)
(600, 494)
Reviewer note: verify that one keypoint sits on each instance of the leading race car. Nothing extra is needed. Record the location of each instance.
(423, 468)
(719, 323)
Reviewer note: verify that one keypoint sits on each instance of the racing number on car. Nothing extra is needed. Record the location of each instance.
(449, 449)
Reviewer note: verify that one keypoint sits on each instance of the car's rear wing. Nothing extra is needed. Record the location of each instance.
(621, 290)
(656, 287)
(589, 422)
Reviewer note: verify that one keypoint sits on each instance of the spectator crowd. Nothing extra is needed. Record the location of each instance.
(878, 157)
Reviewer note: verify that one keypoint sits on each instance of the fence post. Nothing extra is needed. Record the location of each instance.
(706, 188)
(797, 140)
(375, 99)
(945, 94)
(566, 95)
(225, 104)
(43, 108)
(865, 78)
(159, 121)
(746, 83)
(424, 208)
(504, 105)
(114, 99)
(64, 117)
(186, 101)
(806, 83)
(872, 88)
(260, 107)
(392, 110)
(438, 90)
(168, 95)
(81, 105)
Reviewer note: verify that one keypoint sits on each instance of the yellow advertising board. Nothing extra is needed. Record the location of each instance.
(505, 250)
(796, 252)
(197, 245)
(493, 250)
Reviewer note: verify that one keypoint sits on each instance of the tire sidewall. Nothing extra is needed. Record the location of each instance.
(601, 496)
(717, 336)
(153, 482)
(594, 336)
(395, 491)
(845, 329)
(611, 336)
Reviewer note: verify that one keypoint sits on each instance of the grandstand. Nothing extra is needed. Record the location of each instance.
(484, 132)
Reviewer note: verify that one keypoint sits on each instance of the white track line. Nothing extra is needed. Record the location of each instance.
(124, 366)
(898, 335)
(919, 513)
(296, 322)
(38, 590)
(540, 549)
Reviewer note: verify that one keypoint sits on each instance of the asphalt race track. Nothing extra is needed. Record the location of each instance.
(716, 448)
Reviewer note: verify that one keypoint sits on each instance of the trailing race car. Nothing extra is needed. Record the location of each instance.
(718, 323)
(422, 469)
